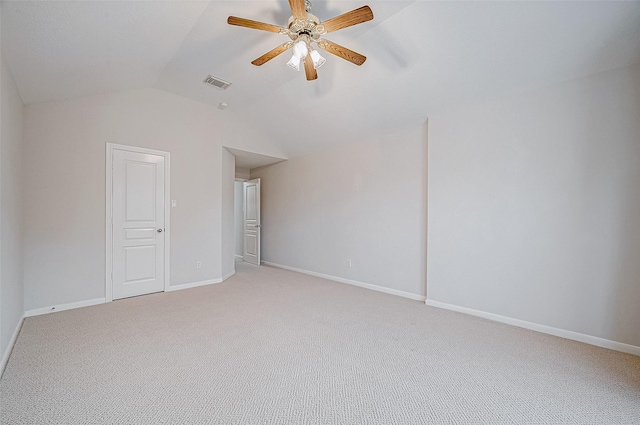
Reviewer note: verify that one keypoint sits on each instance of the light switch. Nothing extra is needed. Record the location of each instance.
(174, 203)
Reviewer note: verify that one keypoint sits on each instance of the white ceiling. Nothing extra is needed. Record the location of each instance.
(423, 57)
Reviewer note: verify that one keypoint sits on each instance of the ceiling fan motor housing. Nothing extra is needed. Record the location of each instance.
(310, 27)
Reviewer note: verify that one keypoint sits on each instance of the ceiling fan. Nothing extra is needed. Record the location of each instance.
(304, 29)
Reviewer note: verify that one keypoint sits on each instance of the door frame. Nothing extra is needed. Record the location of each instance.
(108, 278)
(239, 180)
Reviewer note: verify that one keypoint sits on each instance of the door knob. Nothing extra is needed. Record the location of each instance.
(159, 230)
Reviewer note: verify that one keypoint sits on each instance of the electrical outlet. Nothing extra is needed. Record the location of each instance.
(348, 263)
(198, 264)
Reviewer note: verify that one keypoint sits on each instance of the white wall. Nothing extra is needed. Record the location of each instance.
(239, 217)
(364, 202)
(11, 207)
(534, 206)
(228, 171)
(242, 173)
(65, 180)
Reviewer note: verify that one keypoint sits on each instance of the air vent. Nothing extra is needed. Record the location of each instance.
(216, 82)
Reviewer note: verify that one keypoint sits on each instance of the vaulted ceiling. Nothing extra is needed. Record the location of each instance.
(423, 57)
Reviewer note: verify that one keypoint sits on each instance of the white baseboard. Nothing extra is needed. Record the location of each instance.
(575, 336)
(193, 285)
(350, 282)
(87, 303)
(201, 283)
(12, 342)
(63, 307)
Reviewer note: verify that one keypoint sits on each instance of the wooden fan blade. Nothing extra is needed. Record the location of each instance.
(272, 54)
(355, 17)
(248, 23)
(297, 9)
(311, 72)
(342, 52)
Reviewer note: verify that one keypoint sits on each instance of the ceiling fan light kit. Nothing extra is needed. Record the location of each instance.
(304, 29)
(302, 48)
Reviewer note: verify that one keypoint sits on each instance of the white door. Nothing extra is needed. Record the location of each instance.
(252, 221)
(138, 209)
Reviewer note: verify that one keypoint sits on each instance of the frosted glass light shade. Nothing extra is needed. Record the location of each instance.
(318, 60)
(294, 63)
(300, 49)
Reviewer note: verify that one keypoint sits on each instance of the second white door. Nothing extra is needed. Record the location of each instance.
(251, 252)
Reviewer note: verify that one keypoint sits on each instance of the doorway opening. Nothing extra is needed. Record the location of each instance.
(246, 205)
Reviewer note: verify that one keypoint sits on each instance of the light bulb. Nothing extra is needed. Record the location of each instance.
(300, 49)
(318, 60)
(294, 62)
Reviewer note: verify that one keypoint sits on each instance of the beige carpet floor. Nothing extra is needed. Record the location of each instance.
(270, 346)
